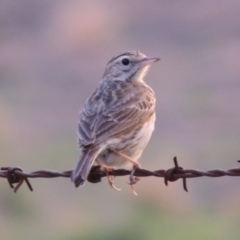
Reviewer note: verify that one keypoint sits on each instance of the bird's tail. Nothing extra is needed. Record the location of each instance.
(83, 166)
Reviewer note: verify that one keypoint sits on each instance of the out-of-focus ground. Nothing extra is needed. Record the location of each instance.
(52, 55)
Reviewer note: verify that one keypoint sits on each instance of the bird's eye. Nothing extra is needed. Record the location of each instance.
(125, 61)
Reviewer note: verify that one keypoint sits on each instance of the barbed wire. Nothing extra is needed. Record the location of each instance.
(16, 177)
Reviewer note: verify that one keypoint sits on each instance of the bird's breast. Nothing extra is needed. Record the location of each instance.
(132, 144)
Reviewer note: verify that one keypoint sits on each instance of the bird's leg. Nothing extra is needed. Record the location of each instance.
(133, 180)
(109, 177)
(134, 163)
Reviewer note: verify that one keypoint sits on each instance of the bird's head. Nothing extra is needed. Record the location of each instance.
(128, 66)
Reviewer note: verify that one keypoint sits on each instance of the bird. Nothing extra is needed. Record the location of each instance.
(117, 120)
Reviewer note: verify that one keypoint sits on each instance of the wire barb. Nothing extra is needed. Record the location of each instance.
(13, 176)
(16, 177)
(170, 174)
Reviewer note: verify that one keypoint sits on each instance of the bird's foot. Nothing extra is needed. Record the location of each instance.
(110, 177)
(110, 181)
(133, 180)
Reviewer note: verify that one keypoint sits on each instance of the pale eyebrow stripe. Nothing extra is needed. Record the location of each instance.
(123, 54)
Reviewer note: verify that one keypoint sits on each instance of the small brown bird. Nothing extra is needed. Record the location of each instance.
(117, 120)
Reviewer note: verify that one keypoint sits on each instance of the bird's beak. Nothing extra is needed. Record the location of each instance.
(148, 61)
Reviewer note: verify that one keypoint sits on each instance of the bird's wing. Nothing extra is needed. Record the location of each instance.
(106, 117)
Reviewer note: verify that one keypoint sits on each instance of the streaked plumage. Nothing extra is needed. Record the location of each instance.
(119, 116)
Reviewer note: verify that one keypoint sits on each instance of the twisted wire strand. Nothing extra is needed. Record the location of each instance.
(16, 177)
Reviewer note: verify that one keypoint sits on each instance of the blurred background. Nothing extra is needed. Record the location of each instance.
(52, 56)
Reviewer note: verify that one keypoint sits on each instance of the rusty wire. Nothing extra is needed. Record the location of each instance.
(16, 177)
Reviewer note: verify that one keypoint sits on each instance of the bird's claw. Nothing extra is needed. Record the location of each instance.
(110, 181)
(133, 180)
